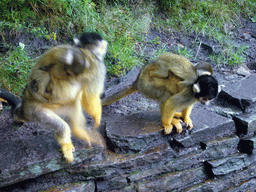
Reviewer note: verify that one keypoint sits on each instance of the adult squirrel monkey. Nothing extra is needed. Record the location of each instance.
(64, 80)
(176, 84)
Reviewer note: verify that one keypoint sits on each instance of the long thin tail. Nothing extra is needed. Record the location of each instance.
(12, 100)
(119, 95)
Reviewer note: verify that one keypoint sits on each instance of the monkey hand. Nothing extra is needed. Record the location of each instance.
(167, 129)
(67, 150)
(176, 123)
(188, 122)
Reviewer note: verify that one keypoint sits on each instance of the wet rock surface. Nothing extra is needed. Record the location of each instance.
(218, 154)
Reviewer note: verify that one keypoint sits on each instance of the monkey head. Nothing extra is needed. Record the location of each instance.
(205, 88)
(94, 43)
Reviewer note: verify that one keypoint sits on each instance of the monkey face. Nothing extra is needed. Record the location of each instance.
(204, 100)
(206, 88)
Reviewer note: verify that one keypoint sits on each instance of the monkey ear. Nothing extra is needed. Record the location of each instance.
(196, 88)
(203, 68)
(202, 72)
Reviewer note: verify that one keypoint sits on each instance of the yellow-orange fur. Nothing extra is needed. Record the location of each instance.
(169, 80)
(64, 81)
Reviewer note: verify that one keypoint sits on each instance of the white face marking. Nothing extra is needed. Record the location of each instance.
(69, 57)
(76, 41)
(219, 88)
(196, 88)
(103, 46)
(204, 101)
(100, 49)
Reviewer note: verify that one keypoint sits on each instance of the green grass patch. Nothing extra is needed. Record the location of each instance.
(14, 69)
(230, 56)
(215, 19)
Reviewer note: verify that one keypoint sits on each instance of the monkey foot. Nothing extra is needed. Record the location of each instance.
(168, 129)
(176, 123)
(96, 125)
(97, 139)
(188, 123)
(67, 150)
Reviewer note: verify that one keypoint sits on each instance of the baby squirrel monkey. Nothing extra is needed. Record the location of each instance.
(64, 80)
(176, 84)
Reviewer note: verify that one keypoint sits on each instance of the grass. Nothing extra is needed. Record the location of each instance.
(123, 23)
(215, 19)
(14, 69)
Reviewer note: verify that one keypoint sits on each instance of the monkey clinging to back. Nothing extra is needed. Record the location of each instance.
(64, 80)
(176, 84)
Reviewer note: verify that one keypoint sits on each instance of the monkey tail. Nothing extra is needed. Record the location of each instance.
(11, 99)
(119, 95)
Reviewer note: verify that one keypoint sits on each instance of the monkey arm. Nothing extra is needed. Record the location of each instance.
(183, 100)
(186, 116)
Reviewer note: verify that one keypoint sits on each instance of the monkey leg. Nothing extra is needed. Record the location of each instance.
(77, 124)
(186, 116)
(50, 119)
(92, 105)
(168, 120)
(67, 147)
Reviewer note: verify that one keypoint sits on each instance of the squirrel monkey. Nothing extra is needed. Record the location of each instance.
(64, 80)
(176, 84)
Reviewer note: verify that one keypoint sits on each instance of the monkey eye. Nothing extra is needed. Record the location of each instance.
(204, 99)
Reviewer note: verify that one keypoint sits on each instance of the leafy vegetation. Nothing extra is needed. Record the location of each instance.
(123, 23)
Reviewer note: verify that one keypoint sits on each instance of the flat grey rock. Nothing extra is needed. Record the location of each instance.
(24, 159)
(139, 131)
(241, 93)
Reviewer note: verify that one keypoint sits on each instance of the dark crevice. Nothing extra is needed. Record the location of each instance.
(245, 146)
(176, 146)
(241, 127)
(128, 180)
(96, 189)
(20, 186)
(110, 145)
(203, 145)
(208, 170)
(245, 104)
